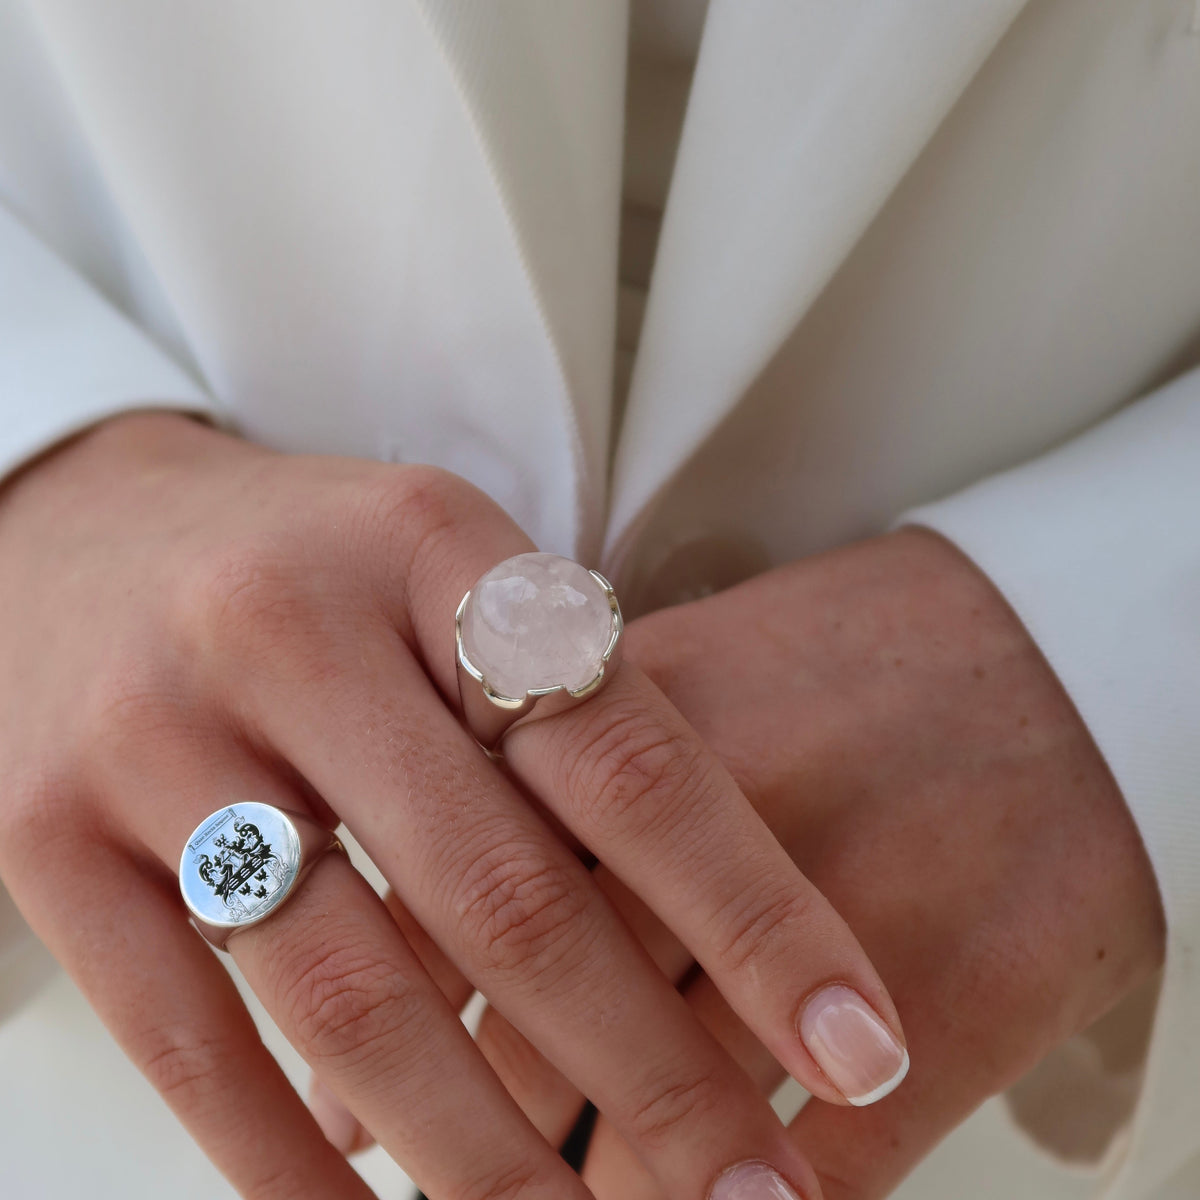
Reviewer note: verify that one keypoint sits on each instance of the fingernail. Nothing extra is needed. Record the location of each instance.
(752, 1181)
(857, 1051)
(337, 1122)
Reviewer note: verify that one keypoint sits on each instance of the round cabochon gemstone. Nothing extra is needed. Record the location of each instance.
(537, 621)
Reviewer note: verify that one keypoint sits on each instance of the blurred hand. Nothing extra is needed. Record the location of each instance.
(186, 620)
(903, 737)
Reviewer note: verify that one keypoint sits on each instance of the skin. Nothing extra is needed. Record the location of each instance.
(904, 737)
(186, 619)
(899, 731)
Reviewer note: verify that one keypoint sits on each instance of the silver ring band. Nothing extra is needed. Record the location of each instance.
(245, 860)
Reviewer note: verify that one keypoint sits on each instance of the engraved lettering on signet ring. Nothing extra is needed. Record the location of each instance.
(536, 634)
(243, 861)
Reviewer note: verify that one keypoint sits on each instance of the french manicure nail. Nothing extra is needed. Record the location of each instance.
(752, 1181)
(857, 1051)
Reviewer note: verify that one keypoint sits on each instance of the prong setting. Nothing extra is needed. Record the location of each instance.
(490, 714)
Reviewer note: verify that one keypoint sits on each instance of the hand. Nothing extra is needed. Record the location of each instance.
(902, 735)
(187, 619)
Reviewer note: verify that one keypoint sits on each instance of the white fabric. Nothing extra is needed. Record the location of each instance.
(907, 243)
(67, 359)
(797, 130)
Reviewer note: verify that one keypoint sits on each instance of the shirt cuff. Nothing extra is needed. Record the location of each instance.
(68, 358)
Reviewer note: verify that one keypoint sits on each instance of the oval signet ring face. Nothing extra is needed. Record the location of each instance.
(240, 864)
(537, 631)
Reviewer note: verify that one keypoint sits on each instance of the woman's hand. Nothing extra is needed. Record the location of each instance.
(902, 735)
(185, 620)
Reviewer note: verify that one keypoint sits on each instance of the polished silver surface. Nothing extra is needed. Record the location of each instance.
(243, 861)
(490, 715)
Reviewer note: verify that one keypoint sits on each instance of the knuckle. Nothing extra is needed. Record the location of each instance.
(344, 1003)
(245, 590)
(673, 1106)
(505, 1183)
(412, 510)
(134, 707)
(185, 1065)
(519, 910)
(32, 814)
(628, 773)
(758, 930)
(49, 815)
(279, 1182)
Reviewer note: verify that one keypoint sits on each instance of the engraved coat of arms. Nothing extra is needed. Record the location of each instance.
(242, 869)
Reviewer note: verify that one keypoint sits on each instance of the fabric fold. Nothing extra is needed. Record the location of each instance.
(801, 121)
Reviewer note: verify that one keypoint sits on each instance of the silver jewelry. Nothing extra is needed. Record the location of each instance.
(536, 634)
(242, 862)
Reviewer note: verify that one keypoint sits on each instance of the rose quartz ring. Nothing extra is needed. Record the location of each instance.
(537, 632)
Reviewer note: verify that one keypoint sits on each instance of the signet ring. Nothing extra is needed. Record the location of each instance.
(245, 860)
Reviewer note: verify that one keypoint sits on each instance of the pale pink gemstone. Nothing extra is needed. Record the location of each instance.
(537, 621)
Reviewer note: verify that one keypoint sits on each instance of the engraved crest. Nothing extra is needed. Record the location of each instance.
(239, 864)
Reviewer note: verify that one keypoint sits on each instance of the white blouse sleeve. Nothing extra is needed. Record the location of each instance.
(67, 357)
(1096, 546)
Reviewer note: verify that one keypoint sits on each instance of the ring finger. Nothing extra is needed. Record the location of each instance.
(337, 976)
(175, 1012)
